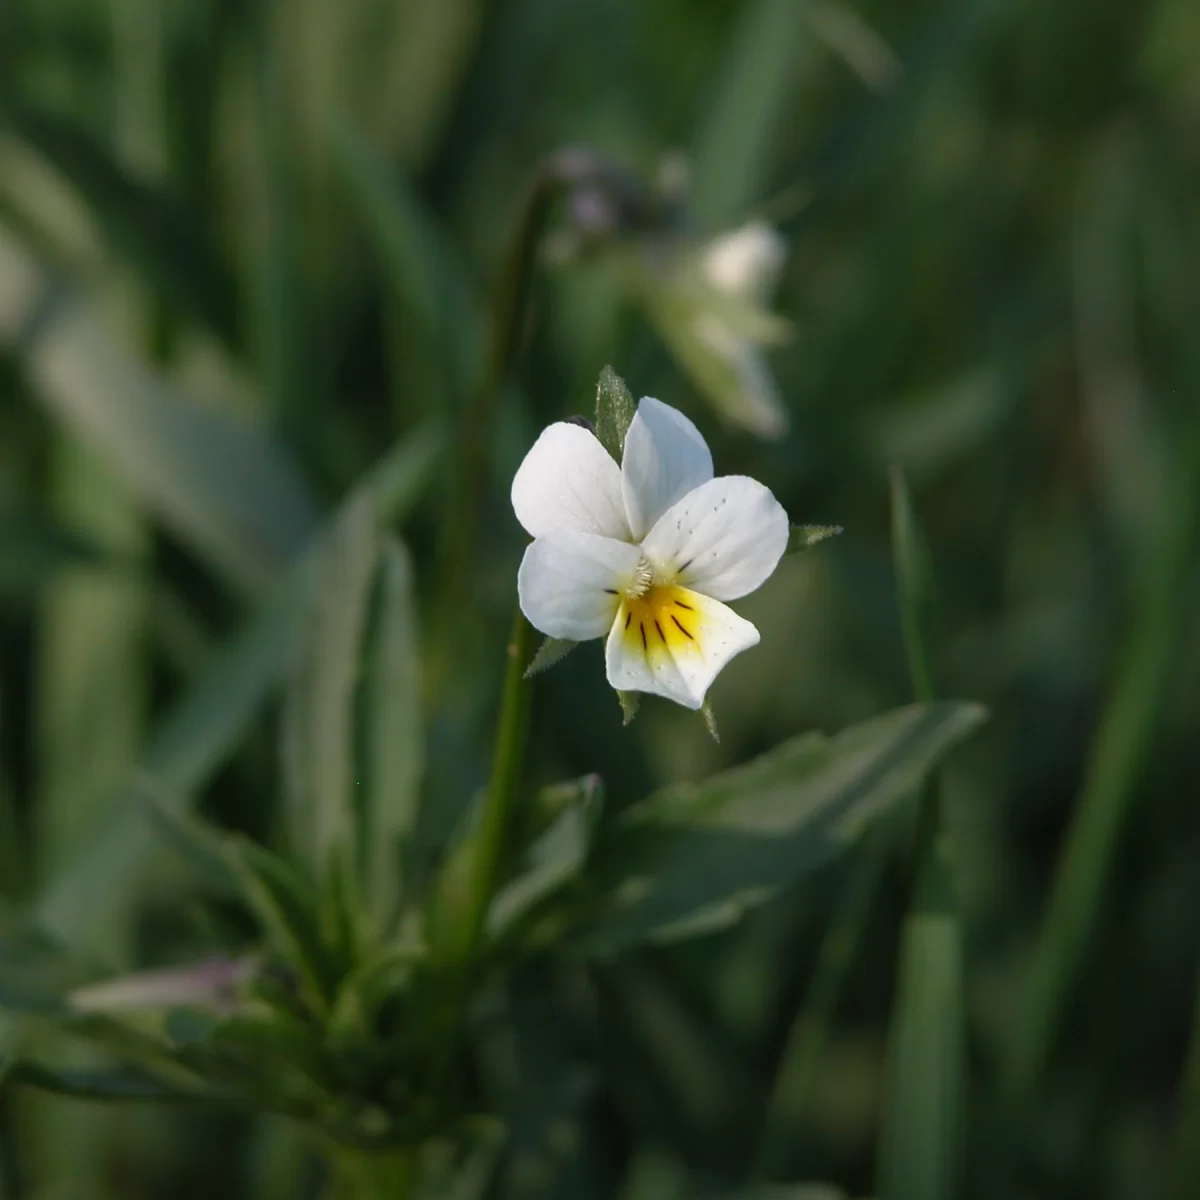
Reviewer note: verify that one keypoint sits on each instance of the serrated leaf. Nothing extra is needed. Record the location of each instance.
(615, 410)
(805, 537)
(551, 652)
(694, 857)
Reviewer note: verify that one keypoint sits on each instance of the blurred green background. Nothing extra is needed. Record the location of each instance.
(246, 245)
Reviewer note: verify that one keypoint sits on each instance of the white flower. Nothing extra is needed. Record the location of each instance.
(644, 552)
(712, 309)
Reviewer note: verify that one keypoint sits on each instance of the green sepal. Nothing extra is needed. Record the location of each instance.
(629, 705)
(805, 537)
(614, 412)
(710, 721)
(551, 652)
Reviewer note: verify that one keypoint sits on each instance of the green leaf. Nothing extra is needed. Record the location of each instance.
(554, 860)
(694, 857)
(322, 807)
(766, 58)
(551, 652)
(914, 577)
(158, 232)
(202, 729)
(805, 537)
(919, 1153)
(235, 497)
(615, 409)
(420, 262)
(395, 731)
(288, 910)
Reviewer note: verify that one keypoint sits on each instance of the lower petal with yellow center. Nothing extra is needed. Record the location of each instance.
(672, 641)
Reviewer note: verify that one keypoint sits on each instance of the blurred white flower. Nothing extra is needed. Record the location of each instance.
(645, 552)
(710, 303)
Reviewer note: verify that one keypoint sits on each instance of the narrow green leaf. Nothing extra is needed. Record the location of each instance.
(395, 730)
(551, 652)
(231, 494)
(615, 408)
(421, 263)
(915, 581)
(765, 60)
(288, 910)
(922, 1125)
(319, 714)
(1185, 1160)
(556, 858)
(694, 857)
(202, 729)
(805, 537)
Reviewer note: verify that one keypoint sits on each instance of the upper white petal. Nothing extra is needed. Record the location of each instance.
(746, 261)
(569, 481)
(665, 458)
(569, 582)
(680, 670)
(723, 539)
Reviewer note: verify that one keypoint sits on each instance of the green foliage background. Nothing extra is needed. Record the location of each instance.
(271, 234)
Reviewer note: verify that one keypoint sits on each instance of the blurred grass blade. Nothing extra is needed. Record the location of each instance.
(922, 1118)
(915, 582)
(322, 808)
(694, 857)
(154, 231)
(201, 731)
(922, 1126)
(109, 1086)
(395, 731)
(1119, 755)
(766, 59)
(421, 264)
(232, 495)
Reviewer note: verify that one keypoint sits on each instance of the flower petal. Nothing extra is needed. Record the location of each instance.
(746, 261)
(665, 458)
(673, 642)
(723, 539)
(748, 394)
(569, 481)
(569, 583)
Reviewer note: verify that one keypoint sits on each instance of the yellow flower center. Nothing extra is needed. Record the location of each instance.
(664, 617)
